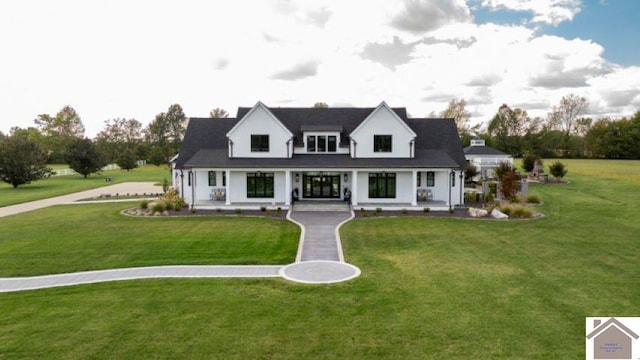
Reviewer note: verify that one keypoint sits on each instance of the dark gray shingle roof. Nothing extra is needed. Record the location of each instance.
(482, 150)
(206, 145)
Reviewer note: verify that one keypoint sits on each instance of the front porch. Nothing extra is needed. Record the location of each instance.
(322, 205)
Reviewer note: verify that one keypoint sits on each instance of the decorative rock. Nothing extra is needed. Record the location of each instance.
(473, 212)
(497, 214)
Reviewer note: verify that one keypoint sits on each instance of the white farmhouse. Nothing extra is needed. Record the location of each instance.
(372, 157)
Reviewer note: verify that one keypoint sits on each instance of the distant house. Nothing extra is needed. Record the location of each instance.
(611, 340)
(369, 156)
(485, 158)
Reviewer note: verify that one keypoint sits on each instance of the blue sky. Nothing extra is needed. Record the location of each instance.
(134, 58)
(614, 24)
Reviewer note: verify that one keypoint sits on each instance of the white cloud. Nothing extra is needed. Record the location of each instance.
(551, 12)
(133, 59)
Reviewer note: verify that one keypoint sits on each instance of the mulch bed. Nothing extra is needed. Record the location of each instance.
(457, 213)
(186, 213)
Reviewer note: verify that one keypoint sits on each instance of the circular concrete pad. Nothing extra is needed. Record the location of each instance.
(319, 272)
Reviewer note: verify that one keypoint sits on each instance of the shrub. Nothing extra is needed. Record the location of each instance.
(378, 211)
(263, 208)
(451, 210)
(426, 209)
(533, 199)
(165, 185)
(404, 211)
(158, 206)
(470, 172)
(237, 211)
(144, 204)
(558, 170)
(529, 161)
(173, 200)
(503, 168)
(508, 185)
(517, 211)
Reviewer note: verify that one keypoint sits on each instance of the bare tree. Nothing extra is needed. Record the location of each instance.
(320, 105)
(457, 110)
(564, 116)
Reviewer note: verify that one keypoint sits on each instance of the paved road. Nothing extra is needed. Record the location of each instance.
(123, 188)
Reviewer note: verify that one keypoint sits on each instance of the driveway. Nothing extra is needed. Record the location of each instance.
(123, 188)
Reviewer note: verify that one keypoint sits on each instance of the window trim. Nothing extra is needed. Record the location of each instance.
(258, 142)
(263, 185)
(388, 186)
(214, 182)
(431, 179)
(380, 143)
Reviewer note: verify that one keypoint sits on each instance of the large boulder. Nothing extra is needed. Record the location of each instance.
(473, 212)
(497, 214)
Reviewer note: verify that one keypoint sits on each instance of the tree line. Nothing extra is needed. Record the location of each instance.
(565, 133)
(60, 139)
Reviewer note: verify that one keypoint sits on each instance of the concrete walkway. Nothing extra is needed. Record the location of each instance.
(319, 260)
(88, 277)
(123, 188)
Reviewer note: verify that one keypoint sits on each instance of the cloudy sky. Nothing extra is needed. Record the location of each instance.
(134, 58)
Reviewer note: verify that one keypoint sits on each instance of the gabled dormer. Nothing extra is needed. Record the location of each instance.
(382, 134)
(260, 134)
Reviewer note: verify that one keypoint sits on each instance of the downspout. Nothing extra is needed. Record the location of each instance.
(450, 185)
(355, 143)
(411, 148)
(461, 188)
(193, 187)
(181, 183)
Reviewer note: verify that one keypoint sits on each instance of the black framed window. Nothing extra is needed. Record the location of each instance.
(212, 178)
(259, 143)
(332, 143)
(382, 185)
(381, 143)
(259, 185)
(322, 143)
(224, 178)
(431, 178)
(453, 179)
(311, 143)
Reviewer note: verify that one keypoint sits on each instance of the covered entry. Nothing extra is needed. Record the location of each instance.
(321, 185)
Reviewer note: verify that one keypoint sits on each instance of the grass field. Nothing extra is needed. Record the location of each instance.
(430, 288)
(61, 185)
(102, 238)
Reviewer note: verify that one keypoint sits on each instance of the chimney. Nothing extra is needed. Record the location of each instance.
(596, 323)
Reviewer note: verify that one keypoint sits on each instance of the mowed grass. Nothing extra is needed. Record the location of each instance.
(430, 288)
(71, 238)
(62, 185)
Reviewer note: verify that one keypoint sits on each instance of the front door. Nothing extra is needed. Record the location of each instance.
(318, 185)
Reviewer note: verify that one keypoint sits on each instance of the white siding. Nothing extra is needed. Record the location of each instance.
(259, 121)
(382, 122)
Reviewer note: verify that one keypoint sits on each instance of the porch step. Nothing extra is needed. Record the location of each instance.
(321, 206)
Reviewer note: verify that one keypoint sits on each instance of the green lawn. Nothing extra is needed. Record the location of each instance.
(61, 185)
(430, 288)
(102, 238)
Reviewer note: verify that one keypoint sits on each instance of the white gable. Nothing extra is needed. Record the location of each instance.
(382, 121)
(260, 121)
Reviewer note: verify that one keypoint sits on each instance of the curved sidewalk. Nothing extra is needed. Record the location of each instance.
(319, 260)
(123, 188)
(151, 272)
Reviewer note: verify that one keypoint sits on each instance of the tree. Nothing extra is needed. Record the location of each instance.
(502, 168)
(127, 160)
(509, 127)
(218, 113)
(119, 136)
(164, 135)
(508, 184)
(59, 131)
(458, 112)
(529, 161)
(558, 170)
(83, 157)
(564, 116)
(320, 105)
(22, 160)
(470, 172)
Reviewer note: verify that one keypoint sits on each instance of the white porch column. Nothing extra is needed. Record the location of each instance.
(287, 187)
(354, 187)
(414, 186)
(227, 188)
